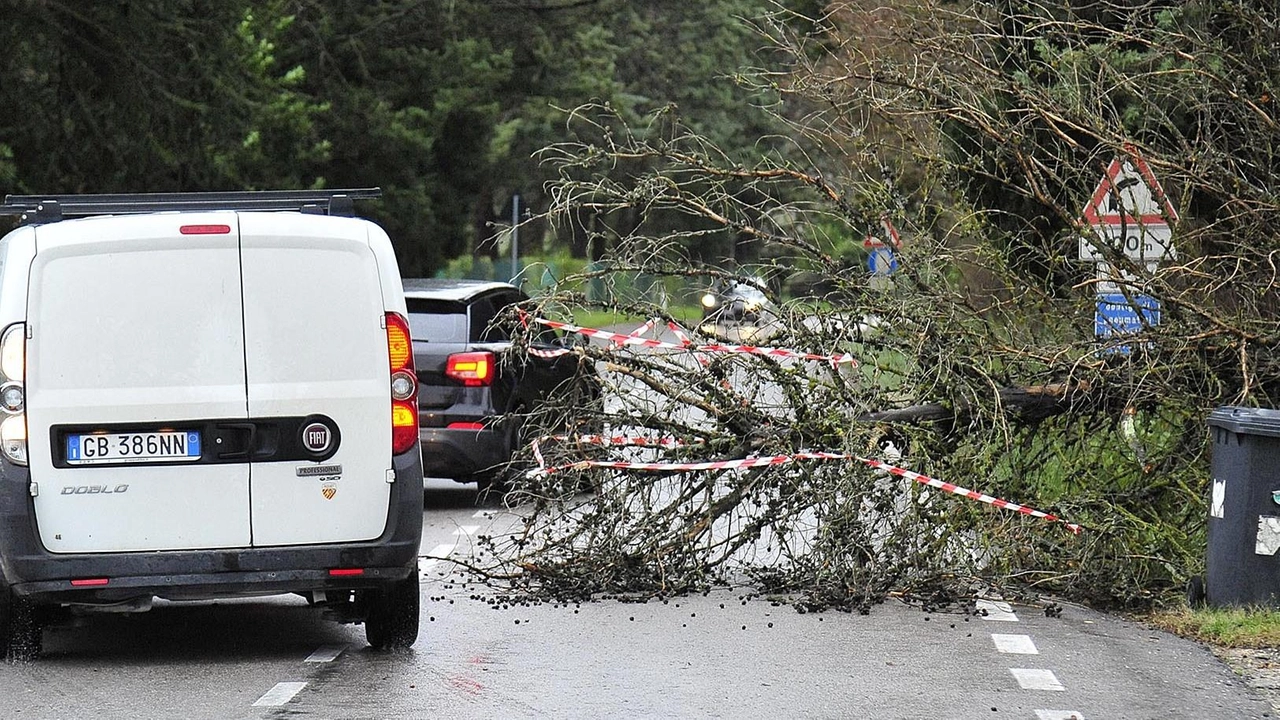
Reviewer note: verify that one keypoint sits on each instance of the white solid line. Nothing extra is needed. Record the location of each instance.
(327, 653)
(1015, 644)
(280, 694)
(1037, 679)
(466, 529)
(998, 611)
(1058, 715)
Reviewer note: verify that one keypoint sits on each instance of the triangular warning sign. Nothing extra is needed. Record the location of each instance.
(1129, 193)
(890, 235)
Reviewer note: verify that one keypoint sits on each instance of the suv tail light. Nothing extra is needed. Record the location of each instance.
(13, 400)
(474, 369)
(404, 385)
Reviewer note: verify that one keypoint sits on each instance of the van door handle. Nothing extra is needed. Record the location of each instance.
(245, 430)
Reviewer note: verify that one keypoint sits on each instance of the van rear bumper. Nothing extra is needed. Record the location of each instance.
(202, 586)
(33, 572)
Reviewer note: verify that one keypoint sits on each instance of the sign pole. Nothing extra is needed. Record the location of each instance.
(515, 239)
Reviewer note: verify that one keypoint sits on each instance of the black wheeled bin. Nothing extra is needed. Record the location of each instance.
(1243, 562)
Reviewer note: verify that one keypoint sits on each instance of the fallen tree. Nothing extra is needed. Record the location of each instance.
(980, 131)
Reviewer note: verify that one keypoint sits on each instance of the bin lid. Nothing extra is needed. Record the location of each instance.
(1246, 420)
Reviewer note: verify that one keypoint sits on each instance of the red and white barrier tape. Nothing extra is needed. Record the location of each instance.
(957, 490)
(620, 339)
(640, 331)
(549, 353)
(681, 467)
(621, 440)
(684, 339)
(609, 440)
(786, 459)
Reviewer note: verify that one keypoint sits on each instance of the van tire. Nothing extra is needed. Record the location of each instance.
(392, 621)
(21, 632)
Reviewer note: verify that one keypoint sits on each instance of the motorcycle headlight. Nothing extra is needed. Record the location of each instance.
(708, 300)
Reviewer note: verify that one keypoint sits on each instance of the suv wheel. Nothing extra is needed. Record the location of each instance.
(494, 483)
(21, 632)
(392, 620)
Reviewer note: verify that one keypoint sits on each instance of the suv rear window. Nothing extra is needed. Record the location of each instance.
(437, 321)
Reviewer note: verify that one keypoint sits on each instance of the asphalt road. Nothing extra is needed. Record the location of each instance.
(708, 656)
(711, 656)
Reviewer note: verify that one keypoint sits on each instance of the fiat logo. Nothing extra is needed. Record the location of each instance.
(317, 437)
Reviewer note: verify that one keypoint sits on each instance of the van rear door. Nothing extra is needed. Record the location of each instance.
(317, 353)
(135, 347)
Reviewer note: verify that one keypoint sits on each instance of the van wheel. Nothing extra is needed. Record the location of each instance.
(392, 622)
(21, 632)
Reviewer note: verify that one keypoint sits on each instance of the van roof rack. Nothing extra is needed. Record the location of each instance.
(52, 208)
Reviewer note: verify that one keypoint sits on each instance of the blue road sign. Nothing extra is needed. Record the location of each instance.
(1118, 315)
(881, 260)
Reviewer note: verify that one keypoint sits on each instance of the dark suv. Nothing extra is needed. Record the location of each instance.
(475, 391)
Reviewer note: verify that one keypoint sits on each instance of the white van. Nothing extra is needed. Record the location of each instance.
(205, 395)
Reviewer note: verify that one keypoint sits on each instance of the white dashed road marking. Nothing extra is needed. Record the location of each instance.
(328, 653)
(1015, 644)
(1037, 679)
(436, 553)
(466, 529)
(280, 694)
(998, 611)
(433, 557)
(1028, 679)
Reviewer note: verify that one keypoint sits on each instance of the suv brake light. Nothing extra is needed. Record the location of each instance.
(474, 369)
(404, 385)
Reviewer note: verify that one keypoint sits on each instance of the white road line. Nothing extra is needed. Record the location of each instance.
(1058, 715)
(280, 694)
(327, 653)
(1037, 679)
(1015, 644)
(440, 551)
(998, 611)
(466, 529)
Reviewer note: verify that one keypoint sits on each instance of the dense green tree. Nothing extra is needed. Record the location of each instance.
(447, 105)
(444, 104)
(100, 97)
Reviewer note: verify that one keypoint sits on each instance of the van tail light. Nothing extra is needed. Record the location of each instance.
(473, 369)
(13, 394)
(404, 385)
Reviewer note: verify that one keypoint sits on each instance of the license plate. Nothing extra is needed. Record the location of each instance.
(148, 447)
